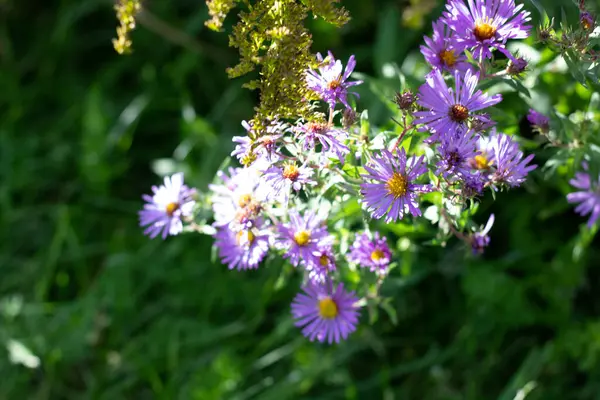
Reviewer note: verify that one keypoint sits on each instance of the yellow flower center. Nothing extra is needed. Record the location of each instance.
(377, 255)
(484, 31)
(324, 260)
(244, 237)
(448, 57)
(397, 185)
(291, 172)
(480, 162)
(302, 238)
(327, 308)
(244, 200)
(458, 113)
(171, 208)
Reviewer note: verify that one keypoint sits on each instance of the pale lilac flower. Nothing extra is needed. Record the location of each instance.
(325, 313)
(455, 153)
(484, 25)
(448, 110)
(168, 204)
(374, 254)
(244, 249)
(280, 179)
(321, 264)
(328, 136)
(441, 51)
(480, 239)
(510, 167)
(394, 191)
(302, 236)
(330, 82)
(588, 197)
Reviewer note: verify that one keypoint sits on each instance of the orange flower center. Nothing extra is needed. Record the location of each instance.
(334, 84)
(171, 208)
(397, 185)
(448, 57)
(291, 172)
(327, 308)
(484, 31)
(302, 238)
(458, 113)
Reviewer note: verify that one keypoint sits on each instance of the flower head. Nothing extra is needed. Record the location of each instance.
(280, 179)
(484, 25)
(330, 81)
(244, 249)
(448, 110)
(302, 236)
(480, 239)
(325, 313)
(587, 21)
(331, 138)
(588, 196)
(517, 66)
(455, 153)
(265, 145)
(441, 52)
(164, 210)
(539, 121)
(370, 253)
(510, 167)
(320, 264)
(393, 191)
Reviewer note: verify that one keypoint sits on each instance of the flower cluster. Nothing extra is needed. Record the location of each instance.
(298, 180)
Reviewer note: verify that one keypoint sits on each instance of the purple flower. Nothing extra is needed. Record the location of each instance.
(330, 138)
(588, 197)
(330, 82)
(587, 21)
(483, 25)
(373, 253)
(480, 240)
(473, 184)
(320, 264)
(394, 191)
(325, 313)
(264, 146)
(165, 208)
(280, 179)
(448, 109)
(244, 249)
(517, 66)
(539, 121)
(441, 52)
(482, 122)
(302, 236)
(511, 167)
(455, 153)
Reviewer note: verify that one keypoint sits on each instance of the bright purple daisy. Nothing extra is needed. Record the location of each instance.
(510, 167)
(539, 121)
(302, 236)
(370, 253)
(448, 110)
(441, 52)
(244, 249)
(394, 191)
(455, 153)
(321, 264)
(166, 207)
(588, 197)
(280, 179)
(480, 239)
(484, 25)
(325, 313)
(330, 137)
(330, 81)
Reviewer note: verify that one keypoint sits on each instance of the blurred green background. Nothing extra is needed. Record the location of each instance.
(90, 308)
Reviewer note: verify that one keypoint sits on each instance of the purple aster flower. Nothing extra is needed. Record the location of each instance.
(480, 240)
(539, 121)
(302, 236)
(330, 82)
(321, 263)
(473, 184)
(455, 153)
(511, 167)
(325, 313)
(448, 110)
(330, 138)
(264, 146)
(483, 25)
(588, 197)
(370, 253)
(587, 21)
(164, 210)
(517, 66)
(244, 249)
(394, 191)
(280, 179)
(441, 52)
